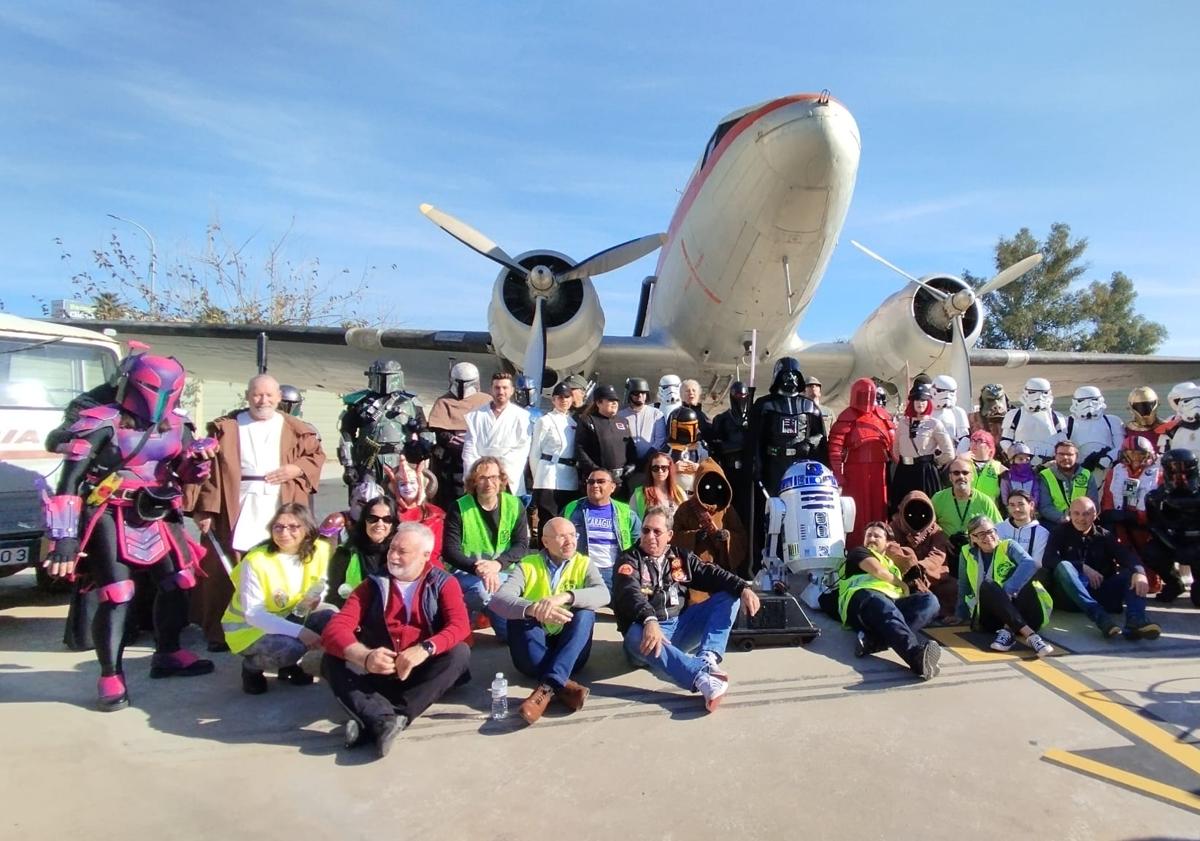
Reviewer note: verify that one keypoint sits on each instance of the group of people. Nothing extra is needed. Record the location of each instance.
(489, 511)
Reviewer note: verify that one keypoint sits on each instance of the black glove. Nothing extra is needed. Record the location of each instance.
(1093, 461)
(417, 450)
(65, 551)
(350, 477)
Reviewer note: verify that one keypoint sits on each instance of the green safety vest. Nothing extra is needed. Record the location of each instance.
(624, 520)
(354, 574)
(537, 580)
(847, 587)
(638, 502)
(476, 538)
(987, 481)
(1079, 487)
(1002, 569)
(272, 580)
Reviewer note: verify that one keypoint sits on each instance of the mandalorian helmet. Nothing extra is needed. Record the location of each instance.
(290, 400)
(945, 392)
(1143, 403)
(464, 380)
(385, 376)
(524, 392)
(1037, 395)
(151, 387)
(1180, 471)
(684, 426)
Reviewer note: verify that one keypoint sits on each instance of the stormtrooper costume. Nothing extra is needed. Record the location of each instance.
(1098, 435)
(953, 417)
(1184, 433)
(669, 399)
(1034, 423)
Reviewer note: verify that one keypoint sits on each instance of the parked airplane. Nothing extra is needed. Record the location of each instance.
(745, 251)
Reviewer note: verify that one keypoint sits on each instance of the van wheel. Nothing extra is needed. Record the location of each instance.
(746, 645)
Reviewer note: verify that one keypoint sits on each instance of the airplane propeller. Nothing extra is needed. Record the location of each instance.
(955, 305)
(541, 280)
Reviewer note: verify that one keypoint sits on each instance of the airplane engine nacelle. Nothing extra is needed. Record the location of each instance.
(571, 314)
(912, 327)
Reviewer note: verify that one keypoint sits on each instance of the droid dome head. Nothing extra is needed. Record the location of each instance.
(1143, 403)
(385, 376)
(1037, 395)
(1087, 403)
(464, 380)
(945, 392)
(787, 379)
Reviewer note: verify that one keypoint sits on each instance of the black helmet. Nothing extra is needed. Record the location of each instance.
(290, 400)
(787, 368)
(739, 395)
(385, 376)
(684, 426)
(636, 385)
(920, 391)
(1180, 470)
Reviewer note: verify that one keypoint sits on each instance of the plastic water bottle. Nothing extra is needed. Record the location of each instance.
(311, 598)
(499, 697)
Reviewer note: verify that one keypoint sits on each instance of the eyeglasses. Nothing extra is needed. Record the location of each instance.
(375, 518)
(660, 468)
(984, 533)
(597, 481)
(960, 472)
(287, 527)
(493, 477)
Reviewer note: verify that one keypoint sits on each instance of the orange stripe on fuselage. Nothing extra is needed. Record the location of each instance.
(694, 275)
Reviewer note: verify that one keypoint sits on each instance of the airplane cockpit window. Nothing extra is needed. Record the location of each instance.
(715, 141)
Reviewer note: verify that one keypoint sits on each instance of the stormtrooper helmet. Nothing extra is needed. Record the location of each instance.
(668, 389)
(1087, 403)
(1188, 407)
(464, 380)
(1037, 396)
(945, 392)
(1176, 392)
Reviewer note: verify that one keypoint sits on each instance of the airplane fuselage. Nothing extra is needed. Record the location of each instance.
(755, 230)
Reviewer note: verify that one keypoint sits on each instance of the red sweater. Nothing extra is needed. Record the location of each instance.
(405, 628)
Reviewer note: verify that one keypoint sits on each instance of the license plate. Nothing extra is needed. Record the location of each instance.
(13, 556)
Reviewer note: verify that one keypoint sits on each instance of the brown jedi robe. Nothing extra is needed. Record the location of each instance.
(709, 511)
(450, 413)
(923, 551)
(219, 495)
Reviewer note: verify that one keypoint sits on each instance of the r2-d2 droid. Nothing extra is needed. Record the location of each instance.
(806, 530)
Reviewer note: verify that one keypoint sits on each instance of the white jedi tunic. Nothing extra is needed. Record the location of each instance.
(260, 443)
(505, 436)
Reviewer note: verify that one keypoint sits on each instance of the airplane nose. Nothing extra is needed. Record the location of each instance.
(810, 145)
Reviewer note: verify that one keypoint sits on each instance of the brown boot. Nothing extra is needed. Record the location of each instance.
(573, 695)
(533, 706)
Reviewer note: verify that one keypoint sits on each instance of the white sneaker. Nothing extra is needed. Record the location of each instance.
(1040, 647)
(1004, 640)
(713, 687)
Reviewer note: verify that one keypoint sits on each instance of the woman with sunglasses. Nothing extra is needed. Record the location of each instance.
(661, 487)
(998, 590)
(364, 552)
(277, 612)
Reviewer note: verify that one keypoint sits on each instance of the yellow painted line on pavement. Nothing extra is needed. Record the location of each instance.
(956, 640)
(1117, 713)
(1136, 782)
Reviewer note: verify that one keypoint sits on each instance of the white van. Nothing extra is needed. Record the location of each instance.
(42, 368)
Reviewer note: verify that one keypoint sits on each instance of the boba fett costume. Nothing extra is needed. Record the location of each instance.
(379, 424)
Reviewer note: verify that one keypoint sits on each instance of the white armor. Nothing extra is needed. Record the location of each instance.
(946, 409)
(1092, 430)
(1034, 423)
(668, 394)
(464, 380)
(1185, 434)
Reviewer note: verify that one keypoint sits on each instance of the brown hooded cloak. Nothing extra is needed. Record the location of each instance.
(924, 552)
(707, 524)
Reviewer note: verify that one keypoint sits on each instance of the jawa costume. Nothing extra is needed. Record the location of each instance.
(921, 550)
(861, 447)
(708, 525)
(119, 508)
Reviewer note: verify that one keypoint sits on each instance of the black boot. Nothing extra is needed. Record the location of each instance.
(254, 682)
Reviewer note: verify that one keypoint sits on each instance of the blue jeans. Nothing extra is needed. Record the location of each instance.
(893, 623)
(477, 597)
(551, 658)
(1106, 599)
(606, 573)
(702, 627)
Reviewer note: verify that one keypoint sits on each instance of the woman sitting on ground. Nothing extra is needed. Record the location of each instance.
(662, 486)
(276, 615)
(364, 552)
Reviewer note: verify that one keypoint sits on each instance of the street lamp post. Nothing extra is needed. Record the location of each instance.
(153, 259)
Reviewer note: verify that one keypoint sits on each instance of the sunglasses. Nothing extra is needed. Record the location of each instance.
(375, 518)
(660, 468)
(597, 481)
(654, 531)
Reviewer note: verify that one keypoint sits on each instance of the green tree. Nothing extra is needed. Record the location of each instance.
(108, 306)
(1045, 310)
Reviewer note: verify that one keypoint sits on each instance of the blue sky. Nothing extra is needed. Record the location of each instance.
(575, 126)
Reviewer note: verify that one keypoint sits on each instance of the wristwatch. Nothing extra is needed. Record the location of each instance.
(428, 646)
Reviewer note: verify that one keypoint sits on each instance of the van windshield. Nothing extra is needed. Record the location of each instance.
(48, 374)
